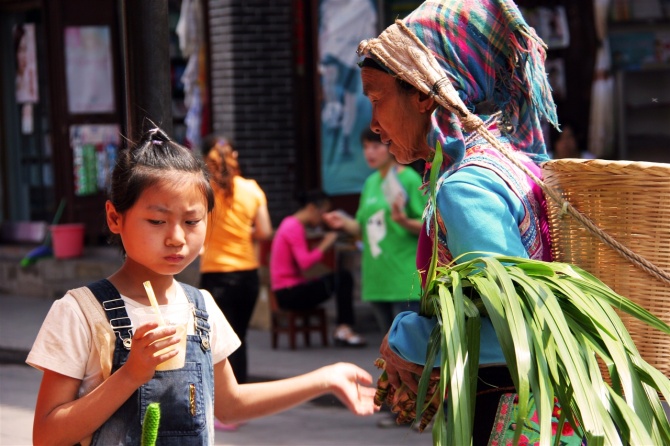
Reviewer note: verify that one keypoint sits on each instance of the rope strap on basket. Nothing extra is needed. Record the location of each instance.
(404, 54)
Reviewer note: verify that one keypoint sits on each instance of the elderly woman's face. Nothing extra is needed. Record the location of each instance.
(401, 118)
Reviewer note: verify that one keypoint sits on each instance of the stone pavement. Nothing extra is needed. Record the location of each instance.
(323, 421)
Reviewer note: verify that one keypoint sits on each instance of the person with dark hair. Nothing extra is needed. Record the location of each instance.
(290, 258)
(99, 375)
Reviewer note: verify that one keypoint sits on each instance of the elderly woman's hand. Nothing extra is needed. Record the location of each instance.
(398, 386)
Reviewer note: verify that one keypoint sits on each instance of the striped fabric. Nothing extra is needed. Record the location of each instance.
(495, 62)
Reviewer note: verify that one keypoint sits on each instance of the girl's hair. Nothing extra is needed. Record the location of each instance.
(317, 197)
(220, 157)
(145, 164)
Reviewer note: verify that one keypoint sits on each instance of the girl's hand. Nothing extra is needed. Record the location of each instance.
(351, 385)
(147, 341)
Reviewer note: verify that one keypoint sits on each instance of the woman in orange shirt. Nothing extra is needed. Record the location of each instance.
(229, 262)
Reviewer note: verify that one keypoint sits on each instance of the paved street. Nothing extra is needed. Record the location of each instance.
(321, 422)
(311, 424)
(18, 392)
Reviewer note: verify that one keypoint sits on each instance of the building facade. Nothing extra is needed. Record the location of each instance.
(96, 74)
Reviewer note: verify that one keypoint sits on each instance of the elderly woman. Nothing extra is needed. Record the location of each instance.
(484, 203)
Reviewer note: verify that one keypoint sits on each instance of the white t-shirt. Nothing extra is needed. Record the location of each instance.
(64, 344)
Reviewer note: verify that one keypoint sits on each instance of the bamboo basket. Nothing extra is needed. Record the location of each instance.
(630, 201)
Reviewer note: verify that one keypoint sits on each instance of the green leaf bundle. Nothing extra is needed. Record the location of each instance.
(554, 321)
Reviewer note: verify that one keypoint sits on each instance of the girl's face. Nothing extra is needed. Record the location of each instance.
(165, 229)
(377, 155)
(402, 119)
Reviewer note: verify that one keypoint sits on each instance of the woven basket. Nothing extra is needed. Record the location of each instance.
(631, 202)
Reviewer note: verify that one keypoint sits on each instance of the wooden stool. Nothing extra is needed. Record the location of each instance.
(293, 322)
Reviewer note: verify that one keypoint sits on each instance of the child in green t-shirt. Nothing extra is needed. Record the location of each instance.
(388, 220)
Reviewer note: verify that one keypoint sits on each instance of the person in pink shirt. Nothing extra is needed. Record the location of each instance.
(290, 257)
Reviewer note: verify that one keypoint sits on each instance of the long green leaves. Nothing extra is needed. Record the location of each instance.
(553, 321)
(434, 171)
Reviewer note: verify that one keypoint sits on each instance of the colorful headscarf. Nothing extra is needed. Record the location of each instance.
(495, 62)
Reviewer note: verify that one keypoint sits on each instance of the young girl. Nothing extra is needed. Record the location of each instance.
(158, 209)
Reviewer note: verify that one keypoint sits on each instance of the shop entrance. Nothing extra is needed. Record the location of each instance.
(62, 110)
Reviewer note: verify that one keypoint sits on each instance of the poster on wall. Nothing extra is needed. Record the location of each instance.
(26, 64)
(88, 68)
(94, 151)
(345, 111)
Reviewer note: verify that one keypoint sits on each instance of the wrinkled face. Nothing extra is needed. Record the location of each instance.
(401, 118)
(376, 154)
(165, 228)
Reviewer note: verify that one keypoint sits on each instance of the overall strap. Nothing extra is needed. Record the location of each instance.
(115, 310)
(202, 327)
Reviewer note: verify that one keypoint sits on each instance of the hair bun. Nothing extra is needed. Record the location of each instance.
(156, 135)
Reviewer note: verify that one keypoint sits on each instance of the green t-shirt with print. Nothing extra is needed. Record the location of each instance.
(388, 261)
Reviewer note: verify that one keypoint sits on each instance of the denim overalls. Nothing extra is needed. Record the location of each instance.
(186, 395)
